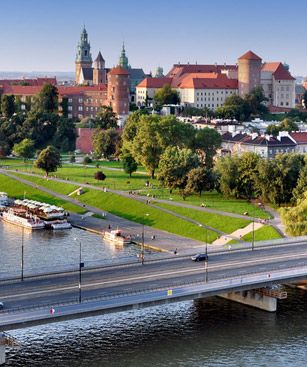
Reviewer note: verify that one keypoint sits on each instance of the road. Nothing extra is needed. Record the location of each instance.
(154, 274)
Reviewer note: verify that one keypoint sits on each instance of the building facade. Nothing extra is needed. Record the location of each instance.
(209, 85)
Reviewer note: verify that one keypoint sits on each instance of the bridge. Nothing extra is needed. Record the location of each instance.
(131, 285)
(244, 275)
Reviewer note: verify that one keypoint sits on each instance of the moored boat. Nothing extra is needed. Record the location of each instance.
(23, 219)
(116, 237)
(58, 224)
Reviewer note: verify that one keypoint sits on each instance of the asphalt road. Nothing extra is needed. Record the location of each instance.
(128, 279)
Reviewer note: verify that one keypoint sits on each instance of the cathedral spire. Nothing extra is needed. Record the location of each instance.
(123, 59)
(84, 48)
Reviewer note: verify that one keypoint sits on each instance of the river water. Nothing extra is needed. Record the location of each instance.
(211, 332)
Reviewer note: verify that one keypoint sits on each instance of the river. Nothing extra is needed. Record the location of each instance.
(211, 332)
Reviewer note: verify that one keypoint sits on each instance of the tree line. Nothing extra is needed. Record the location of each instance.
(39, 124)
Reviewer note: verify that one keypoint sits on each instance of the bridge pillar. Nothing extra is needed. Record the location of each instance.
(253, 298)
(2, 349)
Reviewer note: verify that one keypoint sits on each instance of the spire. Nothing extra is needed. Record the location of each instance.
(84, 48)
(123, 59)
(99, 62)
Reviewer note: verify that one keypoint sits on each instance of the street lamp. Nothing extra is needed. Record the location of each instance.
(81, 265)
(253, 239)
(206, 260)
(143, 245)
(22, 252)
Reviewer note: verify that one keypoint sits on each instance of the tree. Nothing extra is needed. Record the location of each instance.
(41, 128)
(256, 100)
(175, 164)
(288, 125)
(8, 105)
(272, 129)
(49, 160)
(106, 118)
(295, 218)
(129, 163)
(301, 186)
(105, 142)
(100, 176)
(146, 148)
(64, 105)
(166, 95)
(200, 179)
(47, 100)
(207, 141)
(65, 135)
(248, 172)
(24, 149)
(87, 160)
(227, 171)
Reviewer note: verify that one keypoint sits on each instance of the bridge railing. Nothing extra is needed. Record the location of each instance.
(274, 276)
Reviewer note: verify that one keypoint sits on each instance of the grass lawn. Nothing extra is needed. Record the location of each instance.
(223, 223)
(116, 180)
(212, 200)
(262, 234)
(17, 190)
(129, 209)
(136, 211)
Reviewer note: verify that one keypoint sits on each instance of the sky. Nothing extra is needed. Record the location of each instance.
(42, 35)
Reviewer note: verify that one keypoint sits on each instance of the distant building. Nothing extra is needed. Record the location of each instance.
(265, 145)
(207, 86)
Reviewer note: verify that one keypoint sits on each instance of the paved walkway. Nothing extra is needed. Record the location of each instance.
(238, 234)
(163, 241)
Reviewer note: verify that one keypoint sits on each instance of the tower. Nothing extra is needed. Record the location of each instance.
(99, 72)
(249, 72)
(123, 59)
(83, 57)
(118, 92)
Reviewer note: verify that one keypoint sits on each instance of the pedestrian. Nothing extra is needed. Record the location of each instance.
(175, 252)
(109, 226)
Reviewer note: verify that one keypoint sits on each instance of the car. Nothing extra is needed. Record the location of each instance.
(200, 257)
(1, 305)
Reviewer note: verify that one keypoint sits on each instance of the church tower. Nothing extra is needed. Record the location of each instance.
(123, 59)
(99, 71)
(83, 57)
(249, 72)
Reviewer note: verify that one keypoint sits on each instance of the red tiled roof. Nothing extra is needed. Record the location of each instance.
(299, 137)
(206, 81)
(33, 90)
(179, 70)
(278, 70)
(118, 70)
(28, 90)
(154, 82)
(31, 82)
(250, 55)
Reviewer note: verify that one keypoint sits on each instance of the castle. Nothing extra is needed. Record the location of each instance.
(207, 86)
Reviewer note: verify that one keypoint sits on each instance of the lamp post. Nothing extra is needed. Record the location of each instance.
(81, 265)
(22, 253)
(206, 260)
(143, 244)
(253, 239)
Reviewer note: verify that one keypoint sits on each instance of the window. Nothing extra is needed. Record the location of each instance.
(70, 100)
(80, 108)
(80, 100)
(69, 108)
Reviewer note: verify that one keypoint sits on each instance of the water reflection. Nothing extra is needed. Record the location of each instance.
(46, 249)
(212, 332)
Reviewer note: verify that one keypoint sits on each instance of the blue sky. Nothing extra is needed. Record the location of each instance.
(42, 35)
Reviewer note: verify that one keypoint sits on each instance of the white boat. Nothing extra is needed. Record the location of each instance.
(116, 237)
(57, 224)
(3, 198)
(21, 219)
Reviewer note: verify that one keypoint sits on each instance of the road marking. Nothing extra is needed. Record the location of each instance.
(140, 277)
